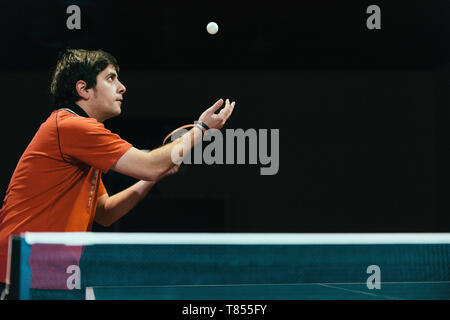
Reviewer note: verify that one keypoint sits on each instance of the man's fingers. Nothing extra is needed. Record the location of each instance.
(172, 170)
(224, 110)
(231, 109)
(215, 106)
(227, 111)
(227, 108)
(222, 116)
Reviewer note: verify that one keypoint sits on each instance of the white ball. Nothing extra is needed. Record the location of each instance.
(212, 28)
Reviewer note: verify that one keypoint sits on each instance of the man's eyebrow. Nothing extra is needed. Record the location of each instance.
(112, 73)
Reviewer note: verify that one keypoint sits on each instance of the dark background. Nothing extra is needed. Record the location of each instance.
(363, 114)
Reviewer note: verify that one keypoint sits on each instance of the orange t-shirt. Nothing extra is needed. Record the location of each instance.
(57, 181)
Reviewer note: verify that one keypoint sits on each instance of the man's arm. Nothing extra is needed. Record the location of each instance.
(150, 166)
(110, 209)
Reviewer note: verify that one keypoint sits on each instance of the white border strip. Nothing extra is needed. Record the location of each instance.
(91, 238)
(90, 295)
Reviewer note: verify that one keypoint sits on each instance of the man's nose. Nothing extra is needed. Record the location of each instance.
(122, 88)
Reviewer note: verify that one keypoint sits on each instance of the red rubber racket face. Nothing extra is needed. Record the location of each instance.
(182, 127)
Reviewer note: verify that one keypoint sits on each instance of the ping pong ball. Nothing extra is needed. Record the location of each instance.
(212, 28)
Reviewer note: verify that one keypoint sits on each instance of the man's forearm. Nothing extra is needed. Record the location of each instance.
(163, 157)
(121, 203)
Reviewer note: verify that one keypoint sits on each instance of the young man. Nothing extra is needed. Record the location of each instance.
(57, 183)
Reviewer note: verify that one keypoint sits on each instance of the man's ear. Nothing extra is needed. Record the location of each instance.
(82, 90)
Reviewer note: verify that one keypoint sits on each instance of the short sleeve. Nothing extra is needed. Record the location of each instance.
(88, 141)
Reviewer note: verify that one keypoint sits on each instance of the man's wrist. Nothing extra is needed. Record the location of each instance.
(199, 127)
(202, 125)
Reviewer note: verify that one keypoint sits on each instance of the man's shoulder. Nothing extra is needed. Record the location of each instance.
(69, 121)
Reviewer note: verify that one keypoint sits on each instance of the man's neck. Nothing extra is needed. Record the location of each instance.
(89, 111)
(77, 110)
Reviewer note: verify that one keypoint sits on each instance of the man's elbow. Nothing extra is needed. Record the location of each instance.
(102, 218)
(104, 222)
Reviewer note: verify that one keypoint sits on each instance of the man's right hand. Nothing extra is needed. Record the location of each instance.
(217, 121)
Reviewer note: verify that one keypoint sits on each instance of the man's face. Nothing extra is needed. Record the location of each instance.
(107, 96)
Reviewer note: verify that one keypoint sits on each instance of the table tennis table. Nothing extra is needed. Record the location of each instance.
(231, 266)
(309, 291)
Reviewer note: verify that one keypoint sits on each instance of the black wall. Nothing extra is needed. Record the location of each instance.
(358, 149)
(363, 114)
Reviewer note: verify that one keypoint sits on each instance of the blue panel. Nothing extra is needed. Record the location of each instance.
(25, 270)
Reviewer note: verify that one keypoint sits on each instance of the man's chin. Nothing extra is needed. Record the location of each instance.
(115, 113)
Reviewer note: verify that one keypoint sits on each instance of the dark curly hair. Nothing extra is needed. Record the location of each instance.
(74, 65)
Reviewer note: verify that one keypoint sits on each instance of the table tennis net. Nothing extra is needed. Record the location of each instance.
(63, 267)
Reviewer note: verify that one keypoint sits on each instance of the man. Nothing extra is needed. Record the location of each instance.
(57, 183)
